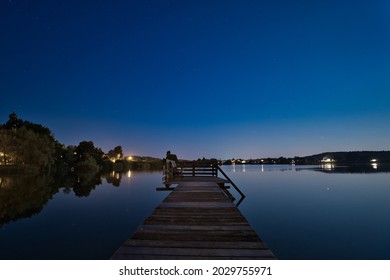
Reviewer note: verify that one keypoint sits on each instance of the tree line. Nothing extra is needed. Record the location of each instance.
(29, 147)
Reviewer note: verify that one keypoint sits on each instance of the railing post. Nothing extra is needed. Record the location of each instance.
(214, 171)
(193, 169)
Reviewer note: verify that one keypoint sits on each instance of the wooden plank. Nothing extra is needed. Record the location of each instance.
(196, 221)
(173, 257)
(199, 252)
(194, 244)
(185, 204)
(198, 212)
(193, 228)
(180, 236)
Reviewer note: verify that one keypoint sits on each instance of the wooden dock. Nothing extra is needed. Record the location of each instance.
(197, 220)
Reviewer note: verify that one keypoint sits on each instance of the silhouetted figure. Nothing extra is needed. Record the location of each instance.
(171, 156)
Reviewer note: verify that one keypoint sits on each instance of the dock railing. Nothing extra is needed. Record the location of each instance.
(173, 169)
(192, 169)
(183, 169)
(231, 182)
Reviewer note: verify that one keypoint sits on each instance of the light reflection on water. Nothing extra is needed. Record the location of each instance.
(301, 212)
(312, 212)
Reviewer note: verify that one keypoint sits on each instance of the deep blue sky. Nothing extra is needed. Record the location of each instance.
(201, 78)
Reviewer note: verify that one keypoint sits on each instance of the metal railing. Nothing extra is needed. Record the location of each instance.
(232, 183)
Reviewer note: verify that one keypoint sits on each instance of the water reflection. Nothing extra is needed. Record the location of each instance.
(359, 168)
(114, 178)
(85, 183)
(328, 166)
(325, 167)
(263, 167)
(316, 209)
(22, 196)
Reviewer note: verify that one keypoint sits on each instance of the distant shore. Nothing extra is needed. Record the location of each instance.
(347, 158)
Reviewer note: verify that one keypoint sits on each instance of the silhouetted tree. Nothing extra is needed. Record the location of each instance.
(116, 153)
(88, 148)
(24, 147)
(13, 122)
(111, 154)
(85, 157)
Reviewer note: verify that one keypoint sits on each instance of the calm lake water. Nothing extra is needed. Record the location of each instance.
(301, 212)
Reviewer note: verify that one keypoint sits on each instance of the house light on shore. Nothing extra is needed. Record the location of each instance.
(374, 163)
(4, 158)
(328, 160)
(327, 163)
(129, 158)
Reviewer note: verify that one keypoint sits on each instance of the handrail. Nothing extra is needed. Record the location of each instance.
(231, 182)
(191, 169)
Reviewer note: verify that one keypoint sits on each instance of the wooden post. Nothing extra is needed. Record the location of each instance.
(215, 171)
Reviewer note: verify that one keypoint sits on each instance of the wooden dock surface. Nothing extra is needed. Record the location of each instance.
(195, 221)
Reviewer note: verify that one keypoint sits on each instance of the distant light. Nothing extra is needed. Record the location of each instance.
(327, 160)
(129, 158)
(374, 163)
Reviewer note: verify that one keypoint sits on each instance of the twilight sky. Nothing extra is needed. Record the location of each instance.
(223, 79)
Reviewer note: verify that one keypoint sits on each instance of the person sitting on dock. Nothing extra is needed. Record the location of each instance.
(171, 162)
(172, 157)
